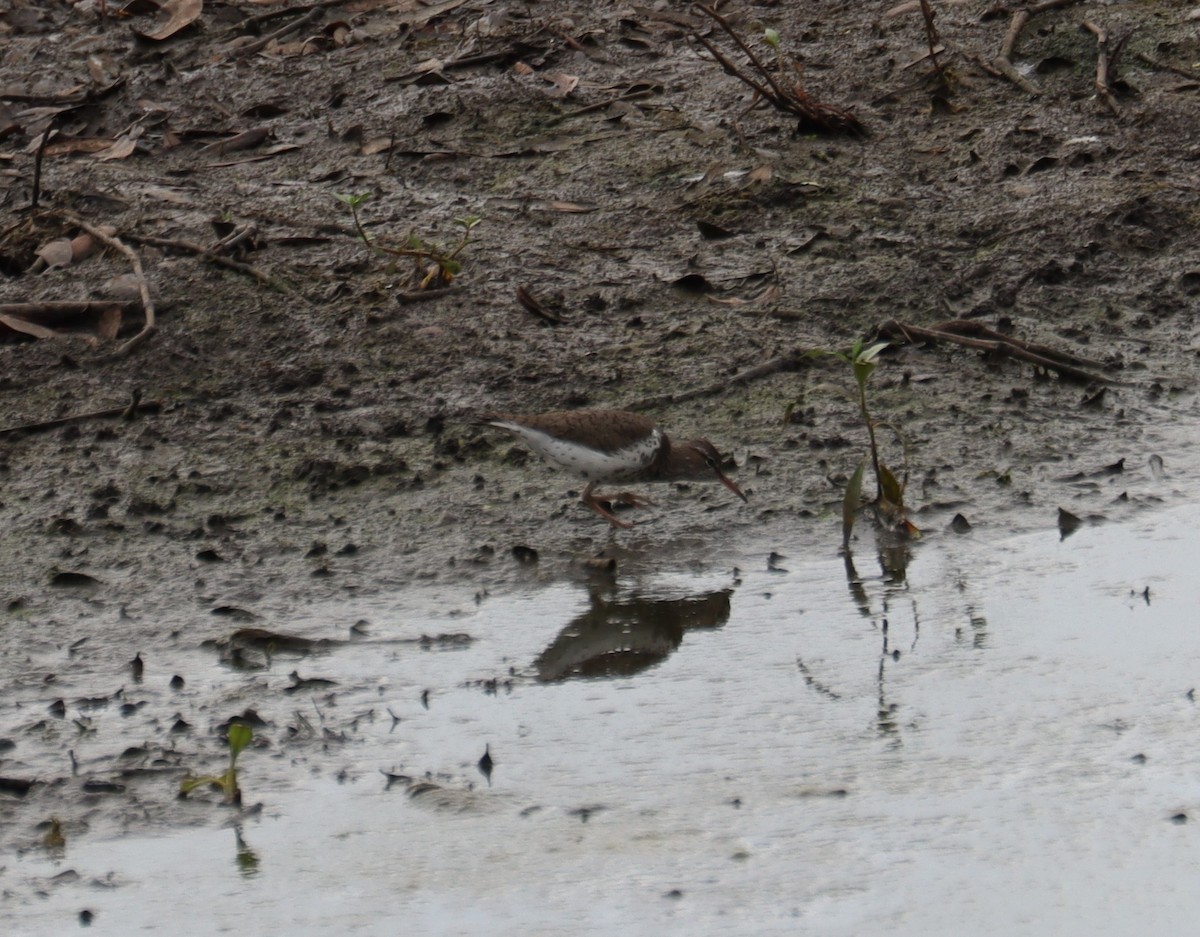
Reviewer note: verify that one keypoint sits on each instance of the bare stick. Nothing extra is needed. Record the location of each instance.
(128, 411)
(1103, 91)
(262, 42)
(56, 310)
(979, 330)
(789, 362)
(232, 240)
(813, 114)
(1003, 62)
(931, 34)
(1000, 346)
(1165, 66)
(221, 261)
(143, 288)
(747, 51)
(37, 165)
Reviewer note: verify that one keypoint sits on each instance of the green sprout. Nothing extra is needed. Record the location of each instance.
(434, 266)
(354, 201)
(239, 735)
(889, 491)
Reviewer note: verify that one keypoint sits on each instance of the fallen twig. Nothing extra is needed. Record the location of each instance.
(788, 362)
(1063, 363)
(127, 411)
(37, 164)
(232, 240)
(208, 254)
(1003, 62)
(1103, 91)
(935, 42)
(55, 310)
(814, 115)
(135, 261)
(314, 14)
(1166, 66)
(527, 300)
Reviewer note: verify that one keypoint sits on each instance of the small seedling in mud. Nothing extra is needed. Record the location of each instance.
(54, 840)
(434, 266)
(239, 736)
(889, 491)
(354, 201)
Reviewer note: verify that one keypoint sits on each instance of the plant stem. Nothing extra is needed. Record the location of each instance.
(862, 404)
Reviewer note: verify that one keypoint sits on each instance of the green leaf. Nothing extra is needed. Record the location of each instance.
(239, 737)
(850, 503)
(893, 491)
(772, 38)
(871, 353)
(187, 785)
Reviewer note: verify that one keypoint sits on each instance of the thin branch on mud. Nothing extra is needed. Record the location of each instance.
(135, 261)
(37, 164)
(935, 42)
(53, 310)
(408, 297)
(530, 303)
(208, 254)
(314, 14)
(1003, 62)
(789, 362)
(254, 22)
(974, 335)
(814, 116)
(128, 411)
(1164, 66)
(1103, 91)
(233, 239)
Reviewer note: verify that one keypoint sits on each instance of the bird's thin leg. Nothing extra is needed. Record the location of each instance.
(594, 503)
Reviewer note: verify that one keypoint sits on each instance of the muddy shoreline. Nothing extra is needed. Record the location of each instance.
(316, 446)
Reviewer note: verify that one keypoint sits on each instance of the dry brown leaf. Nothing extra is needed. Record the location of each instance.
(25, 327)
(761, 174)
(82, 246)
(109, 324)
(181, 13)
(522, 69)
(69, 146)
(563, 83)
(121, 149)
(166, 194)
(378, 145)
(571, 207)
(57, 253)
(242, 141)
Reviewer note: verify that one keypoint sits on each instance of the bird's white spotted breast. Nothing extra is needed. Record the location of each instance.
(591, 464)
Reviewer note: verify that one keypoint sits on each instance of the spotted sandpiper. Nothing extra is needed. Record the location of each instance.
(603, 446)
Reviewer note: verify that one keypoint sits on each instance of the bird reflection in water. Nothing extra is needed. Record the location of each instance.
(622, 637)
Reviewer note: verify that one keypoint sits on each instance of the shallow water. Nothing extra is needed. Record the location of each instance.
(1015, 755)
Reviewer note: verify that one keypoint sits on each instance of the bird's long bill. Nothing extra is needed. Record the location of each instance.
(729, 483)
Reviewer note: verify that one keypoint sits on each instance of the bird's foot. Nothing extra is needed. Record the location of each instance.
(599, 506)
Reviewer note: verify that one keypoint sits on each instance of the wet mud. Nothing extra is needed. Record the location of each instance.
(289, 471)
